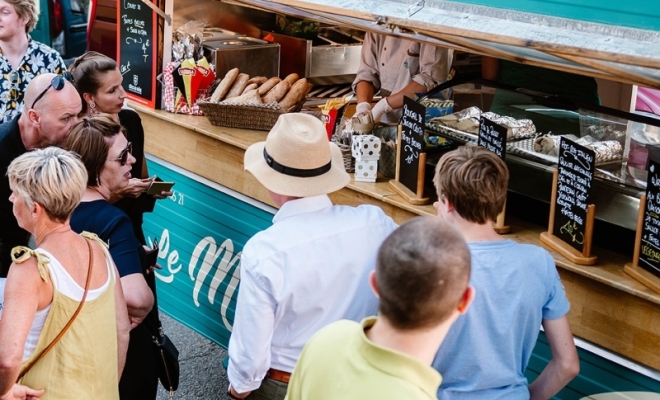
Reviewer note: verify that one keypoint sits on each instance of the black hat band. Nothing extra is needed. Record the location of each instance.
(300, 173)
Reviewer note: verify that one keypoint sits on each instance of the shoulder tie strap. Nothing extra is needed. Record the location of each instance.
(94, 237)
(20, 254)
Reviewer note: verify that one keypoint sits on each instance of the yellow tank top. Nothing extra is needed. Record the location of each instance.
(83, 364)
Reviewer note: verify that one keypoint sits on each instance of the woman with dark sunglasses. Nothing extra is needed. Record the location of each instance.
(99, 83)
(106, 153)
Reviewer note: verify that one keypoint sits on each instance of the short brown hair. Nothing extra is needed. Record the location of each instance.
(52, 177)
(474, 180)
(90, 139)
(26, 9)
(422, 272)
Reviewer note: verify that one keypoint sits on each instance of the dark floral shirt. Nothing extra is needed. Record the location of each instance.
(38, 59)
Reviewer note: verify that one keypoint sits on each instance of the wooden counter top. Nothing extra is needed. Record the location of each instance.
(609, 270)
(608, 307)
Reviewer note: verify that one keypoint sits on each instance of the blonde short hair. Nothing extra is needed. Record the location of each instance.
(26, 9)
(52, 177)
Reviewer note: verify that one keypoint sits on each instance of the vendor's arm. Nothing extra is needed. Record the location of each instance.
(250, 342)
(25, 293)
(434, 64)
(367, 81)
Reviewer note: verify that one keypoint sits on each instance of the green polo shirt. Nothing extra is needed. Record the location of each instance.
(340, 362)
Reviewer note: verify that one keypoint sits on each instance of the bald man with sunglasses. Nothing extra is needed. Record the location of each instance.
(52, 105)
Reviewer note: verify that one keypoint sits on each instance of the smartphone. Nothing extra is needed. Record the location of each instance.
(152, 254)
(158, 187)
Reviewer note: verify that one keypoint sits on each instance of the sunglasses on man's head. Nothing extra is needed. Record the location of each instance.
(56, 83)
(123, 156)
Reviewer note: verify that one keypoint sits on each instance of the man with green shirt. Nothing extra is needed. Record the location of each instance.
(421, 280)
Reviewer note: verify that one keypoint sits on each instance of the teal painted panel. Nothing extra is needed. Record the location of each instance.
(597, 375)
(642, 14)
(201, 232)
(41, 32)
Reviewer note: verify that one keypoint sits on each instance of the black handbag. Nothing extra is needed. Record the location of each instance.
(167, 360)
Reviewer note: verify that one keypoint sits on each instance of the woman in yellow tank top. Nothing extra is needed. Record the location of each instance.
(45, 287)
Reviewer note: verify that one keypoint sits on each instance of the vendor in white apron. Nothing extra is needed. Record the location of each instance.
(394, 68)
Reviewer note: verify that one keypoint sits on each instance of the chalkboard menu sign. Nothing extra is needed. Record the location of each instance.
(649, 251)
(412, 142)
(575, 176)
(492, 136)
(137, 48)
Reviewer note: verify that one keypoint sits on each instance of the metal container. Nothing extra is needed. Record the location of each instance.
(331, 58)
(252, 56)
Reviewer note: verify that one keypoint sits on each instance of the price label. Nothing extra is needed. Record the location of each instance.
(412, 142)
(137, 50)
(492, 136)
(576, 171)
(649, 251)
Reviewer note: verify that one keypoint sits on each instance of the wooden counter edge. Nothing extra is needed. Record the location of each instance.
(609, 271)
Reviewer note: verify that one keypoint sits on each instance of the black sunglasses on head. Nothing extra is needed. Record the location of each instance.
(123, 156)
(56, 83)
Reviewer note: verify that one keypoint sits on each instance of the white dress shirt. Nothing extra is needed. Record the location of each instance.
(309, 269)
(391, 63)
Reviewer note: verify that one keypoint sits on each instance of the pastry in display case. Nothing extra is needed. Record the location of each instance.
(535, 124)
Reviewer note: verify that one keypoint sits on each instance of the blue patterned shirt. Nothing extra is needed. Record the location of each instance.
(38, 59)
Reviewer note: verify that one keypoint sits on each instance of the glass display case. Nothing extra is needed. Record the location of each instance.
(535, 121)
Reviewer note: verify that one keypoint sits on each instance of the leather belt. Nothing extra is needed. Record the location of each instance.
(278, 375)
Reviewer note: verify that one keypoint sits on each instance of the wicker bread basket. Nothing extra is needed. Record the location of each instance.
(246, 116)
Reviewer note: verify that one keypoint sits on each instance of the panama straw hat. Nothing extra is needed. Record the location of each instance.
(297, 159)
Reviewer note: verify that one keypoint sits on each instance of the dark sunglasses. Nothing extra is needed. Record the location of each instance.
(57, 83)
(13, 78)
(123, 156)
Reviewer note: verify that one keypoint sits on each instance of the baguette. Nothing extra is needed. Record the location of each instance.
(249, 87)
(223, 87)
(239, 85)
(277, 93)
(251, 97)
(259, 80)
(294, 95)
(292, 78)
(269, 84)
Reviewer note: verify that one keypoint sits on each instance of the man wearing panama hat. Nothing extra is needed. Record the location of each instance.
(310, 268)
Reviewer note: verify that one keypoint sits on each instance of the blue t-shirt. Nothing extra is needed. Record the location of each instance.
(114, 227)
(486, 351)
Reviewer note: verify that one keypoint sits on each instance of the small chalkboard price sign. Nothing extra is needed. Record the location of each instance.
(570, 229)
(492, 136)
(411, 156)
(137, 48)
(646, 258)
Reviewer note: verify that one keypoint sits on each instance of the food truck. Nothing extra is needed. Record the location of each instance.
(216, 206)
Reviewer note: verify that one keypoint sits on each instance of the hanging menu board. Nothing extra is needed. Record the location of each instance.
(412, 142)
(576, 172)
(649, 251)
(492, 136)
(137, 48)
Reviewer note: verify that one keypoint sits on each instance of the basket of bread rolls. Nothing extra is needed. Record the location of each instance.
(241, 101)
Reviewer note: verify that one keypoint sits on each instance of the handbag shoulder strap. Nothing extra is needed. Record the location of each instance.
(73, 317)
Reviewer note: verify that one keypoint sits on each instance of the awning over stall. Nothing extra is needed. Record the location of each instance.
(605, 50)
